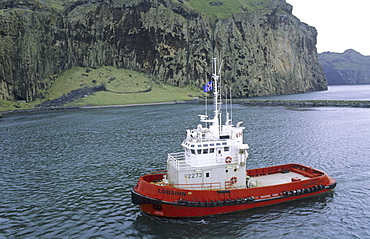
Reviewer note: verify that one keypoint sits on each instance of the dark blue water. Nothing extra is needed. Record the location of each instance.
(69, 173)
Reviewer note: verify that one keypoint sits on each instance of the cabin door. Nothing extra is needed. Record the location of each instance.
(219, 157)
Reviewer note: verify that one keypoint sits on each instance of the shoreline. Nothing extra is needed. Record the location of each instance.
(41, 109)
(306, 103)
(246, 102)
(142, 104)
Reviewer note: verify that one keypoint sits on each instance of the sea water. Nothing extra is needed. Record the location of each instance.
(69, 173)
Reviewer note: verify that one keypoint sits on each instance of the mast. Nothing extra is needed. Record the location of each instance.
(215, 127)
(216, 112)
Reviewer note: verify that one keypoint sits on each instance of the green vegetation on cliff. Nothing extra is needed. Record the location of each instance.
(225, 8)
(210, 8)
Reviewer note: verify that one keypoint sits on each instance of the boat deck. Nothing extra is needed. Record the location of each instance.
(274, 179)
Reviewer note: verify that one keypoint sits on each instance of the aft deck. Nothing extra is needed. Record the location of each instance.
(275, 179)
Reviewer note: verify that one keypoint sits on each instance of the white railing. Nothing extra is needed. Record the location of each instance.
(199, 186)
(177, 160)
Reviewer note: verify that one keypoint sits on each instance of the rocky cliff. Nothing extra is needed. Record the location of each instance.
(264, 48)
(347, 68)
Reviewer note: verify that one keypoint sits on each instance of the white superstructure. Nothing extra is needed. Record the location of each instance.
(214, 155)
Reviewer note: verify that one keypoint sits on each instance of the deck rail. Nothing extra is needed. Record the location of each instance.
(198, 186)
(177, 160)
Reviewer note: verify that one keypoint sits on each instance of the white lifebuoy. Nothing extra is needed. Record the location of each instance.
(228, 159)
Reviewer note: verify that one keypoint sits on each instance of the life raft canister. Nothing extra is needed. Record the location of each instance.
(233, 180)
(228, 159)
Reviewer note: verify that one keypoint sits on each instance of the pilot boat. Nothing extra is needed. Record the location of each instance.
(210, 175)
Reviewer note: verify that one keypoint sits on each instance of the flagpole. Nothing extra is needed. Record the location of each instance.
(206, 100)
(206, 104)
(207, 88)
(231, 106)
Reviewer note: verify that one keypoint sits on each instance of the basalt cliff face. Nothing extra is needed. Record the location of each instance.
(347, 68)
(263, 52)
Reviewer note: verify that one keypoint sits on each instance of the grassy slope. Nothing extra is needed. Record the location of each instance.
(123, 87)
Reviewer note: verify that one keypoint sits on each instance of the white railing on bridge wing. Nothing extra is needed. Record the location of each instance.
(177, 160)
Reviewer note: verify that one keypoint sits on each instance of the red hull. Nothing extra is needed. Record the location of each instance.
(169, 201)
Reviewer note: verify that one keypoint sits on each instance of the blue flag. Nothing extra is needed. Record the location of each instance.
(208, 87)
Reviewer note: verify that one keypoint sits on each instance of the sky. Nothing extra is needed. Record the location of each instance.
(341, 24)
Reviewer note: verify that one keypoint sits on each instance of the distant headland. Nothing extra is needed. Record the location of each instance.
(347, 68)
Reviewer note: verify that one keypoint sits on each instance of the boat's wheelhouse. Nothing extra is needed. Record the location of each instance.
(208, 161)
(206, 153)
